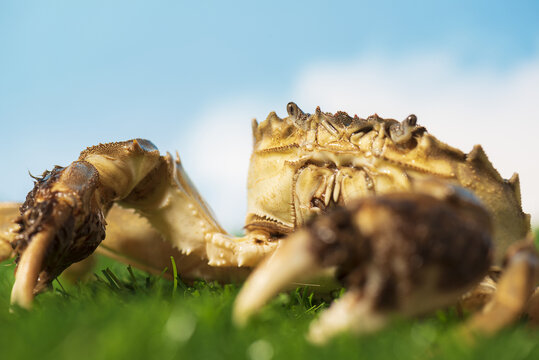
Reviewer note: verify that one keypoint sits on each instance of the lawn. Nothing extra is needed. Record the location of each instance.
(125, 313)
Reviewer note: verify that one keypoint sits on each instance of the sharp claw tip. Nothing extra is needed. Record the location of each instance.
(20, 301)
(240, 318)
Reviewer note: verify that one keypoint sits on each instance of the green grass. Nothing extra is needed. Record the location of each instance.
(124, 313)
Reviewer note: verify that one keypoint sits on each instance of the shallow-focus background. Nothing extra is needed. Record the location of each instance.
(191, 75)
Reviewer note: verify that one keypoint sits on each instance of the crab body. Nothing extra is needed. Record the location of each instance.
(303, 168)
(304, 164)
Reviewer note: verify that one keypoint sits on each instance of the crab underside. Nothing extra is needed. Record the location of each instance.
(407, 223)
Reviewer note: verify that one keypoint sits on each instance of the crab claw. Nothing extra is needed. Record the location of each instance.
(60, 224)
(292, 262)
(28, 269)
(405, 254)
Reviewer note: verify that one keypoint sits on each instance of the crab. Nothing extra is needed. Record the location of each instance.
(407, 223)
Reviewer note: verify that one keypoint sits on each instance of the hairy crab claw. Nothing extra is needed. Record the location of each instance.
(391, 252)
(60, 224)
(63, 220)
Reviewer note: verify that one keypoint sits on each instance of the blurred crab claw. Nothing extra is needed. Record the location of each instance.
(291, 263)
(402, 253)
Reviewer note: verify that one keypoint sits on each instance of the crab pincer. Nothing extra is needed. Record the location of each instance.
(60, 223)
(402, 253)
(62, 220)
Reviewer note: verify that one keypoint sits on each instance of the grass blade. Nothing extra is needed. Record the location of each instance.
(175, 276)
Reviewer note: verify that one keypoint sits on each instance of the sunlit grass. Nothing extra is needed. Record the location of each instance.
(124, 313)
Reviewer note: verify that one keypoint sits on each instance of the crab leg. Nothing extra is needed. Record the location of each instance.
(533, 307)
(513, 292)
(132, 240)
(62, 220)
(8, 213)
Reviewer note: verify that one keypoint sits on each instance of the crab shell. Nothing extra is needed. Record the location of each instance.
(304, 164)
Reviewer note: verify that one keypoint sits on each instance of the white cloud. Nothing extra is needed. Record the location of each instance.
(215, 154)
(497, 109)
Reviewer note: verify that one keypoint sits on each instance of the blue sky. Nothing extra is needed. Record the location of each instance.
(73, 74)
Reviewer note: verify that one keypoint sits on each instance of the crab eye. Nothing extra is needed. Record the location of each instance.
(292, 109)
(411, 120)
(402, 132)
